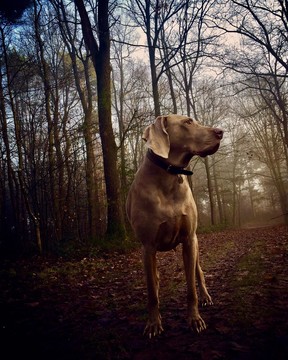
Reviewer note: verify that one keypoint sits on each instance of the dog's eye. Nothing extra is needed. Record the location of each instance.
(189, 121)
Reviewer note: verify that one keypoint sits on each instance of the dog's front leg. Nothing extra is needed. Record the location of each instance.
(204, 298)
(153, 326)
(195, 321)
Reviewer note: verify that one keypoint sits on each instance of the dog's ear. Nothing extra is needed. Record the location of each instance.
(157, 138)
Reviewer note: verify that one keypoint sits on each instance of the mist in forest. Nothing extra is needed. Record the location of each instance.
(80, 81)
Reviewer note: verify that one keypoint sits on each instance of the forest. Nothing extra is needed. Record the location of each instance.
(79, 82)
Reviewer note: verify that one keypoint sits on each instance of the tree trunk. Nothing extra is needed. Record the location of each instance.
(5, 137)
(218, 197)
(152, 60)
(32, 215)
(154, 80)
(101, 61)
(120, 115)
(91, 181)
(55, 209)
(88, 128)
(210, 191)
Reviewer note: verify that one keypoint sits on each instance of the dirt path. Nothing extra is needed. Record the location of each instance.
(95, 308)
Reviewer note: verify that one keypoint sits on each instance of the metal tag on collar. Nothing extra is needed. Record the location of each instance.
(170, 169)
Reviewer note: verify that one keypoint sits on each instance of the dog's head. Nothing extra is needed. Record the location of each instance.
(180, 136)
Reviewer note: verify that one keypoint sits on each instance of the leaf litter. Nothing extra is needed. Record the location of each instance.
(95, 308)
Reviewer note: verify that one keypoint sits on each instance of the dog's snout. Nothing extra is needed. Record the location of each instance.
(219, 133)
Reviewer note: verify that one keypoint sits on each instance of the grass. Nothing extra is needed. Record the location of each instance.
(212, 258)
(245, 281)
(208, 229)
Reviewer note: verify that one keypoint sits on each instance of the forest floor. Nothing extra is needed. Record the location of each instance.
(94, 308)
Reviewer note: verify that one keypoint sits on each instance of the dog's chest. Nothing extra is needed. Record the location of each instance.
(174, 231)
(178, 214)
(176, 201)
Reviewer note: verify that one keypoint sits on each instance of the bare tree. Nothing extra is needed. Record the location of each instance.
(154, 17)
(124, 84)
(263, 24)
(11, 219)
(210, 108)
(258, 61)
(101, 60)
(68, 27)
(260, 28)
(184, 48)
(268, 145)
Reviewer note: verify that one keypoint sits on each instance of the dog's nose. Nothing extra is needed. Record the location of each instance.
(219, 133)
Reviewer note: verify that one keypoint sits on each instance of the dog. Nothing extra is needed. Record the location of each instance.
(162, 212)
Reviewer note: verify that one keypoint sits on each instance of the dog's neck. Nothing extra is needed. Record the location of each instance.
(165, 165)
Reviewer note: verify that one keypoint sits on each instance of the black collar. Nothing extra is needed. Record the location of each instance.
(163, 164)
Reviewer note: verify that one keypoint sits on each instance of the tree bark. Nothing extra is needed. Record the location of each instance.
(101, 60)
(154, 79)
(218, 197)
(55, 215)
(5, 137)
(85, 96)
(210, 191)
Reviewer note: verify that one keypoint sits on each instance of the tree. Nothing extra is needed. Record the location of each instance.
(13, 10)
(210, 108)
(123, 85)
(154, 17)
(184, 49)
(52, 123)
(264, 24)
(259, 61)
(86, 97)
(101, 61)
(8, 218)
(261, 28)
(268, 145)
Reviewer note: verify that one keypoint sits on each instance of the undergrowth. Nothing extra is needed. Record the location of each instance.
(245, 281)
(208, 229)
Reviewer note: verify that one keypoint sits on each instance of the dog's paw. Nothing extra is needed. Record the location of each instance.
(153, 328)
(196, 324)
(205, 299)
